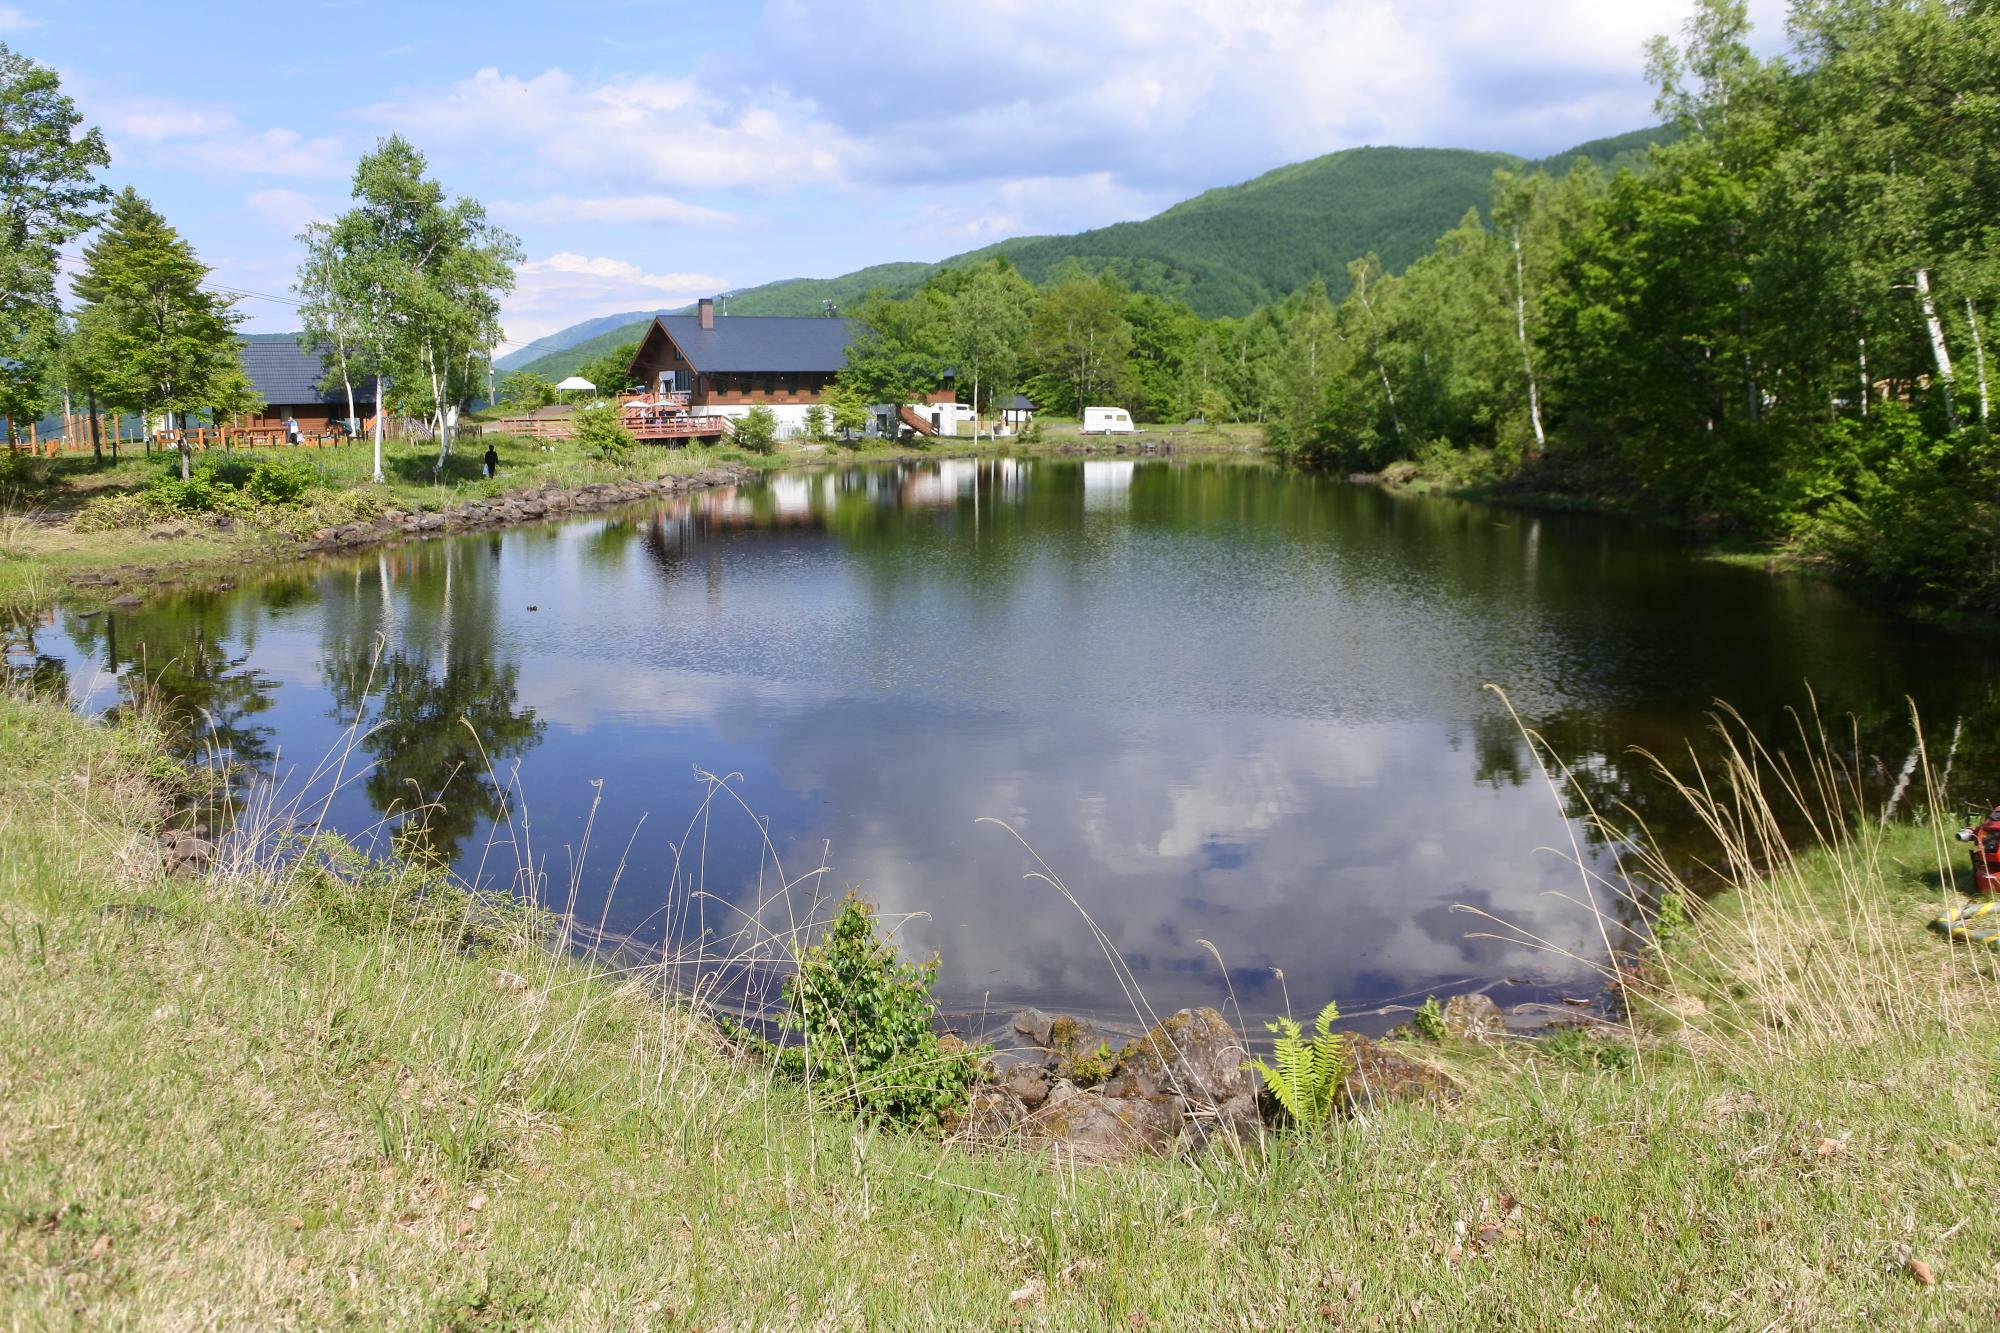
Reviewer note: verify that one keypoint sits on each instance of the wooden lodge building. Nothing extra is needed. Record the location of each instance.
(288, 379)
(729, 364)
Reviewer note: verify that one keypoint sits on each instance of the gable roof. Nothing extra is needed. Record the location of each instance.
(760, 344)
(284, 375)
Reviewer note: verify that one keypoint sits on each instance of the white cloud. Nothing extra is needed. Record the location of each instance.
(1036, 203)
(1189, 92)
(210, 137)
(288, 211)
(13, 20)
(565, 288)
(646, 130)
(557, 209)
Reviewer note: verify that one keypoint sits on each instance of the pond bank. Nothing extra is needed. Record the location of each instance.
(301, 1098)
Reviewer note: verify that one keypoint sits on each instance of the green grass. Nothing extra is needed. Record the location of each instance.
(41, 551)
(268, 1099)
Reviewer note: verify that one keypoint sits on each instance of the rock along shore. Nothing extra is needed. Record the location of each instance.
(517, 507)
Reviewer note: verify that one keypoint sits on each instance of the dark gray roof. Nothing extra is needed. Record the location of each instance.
(798, 344)
(285, 376)
(1019, 403)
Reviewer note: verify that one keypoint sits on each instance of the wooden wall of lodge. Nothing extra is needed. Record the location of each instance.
(733, 389)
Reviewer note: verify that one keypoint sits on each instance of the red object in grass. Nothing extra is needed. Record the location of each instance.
(1985, 840)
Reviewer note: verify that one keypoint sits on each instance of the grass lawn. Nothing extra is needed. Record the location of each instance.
(271, 1098)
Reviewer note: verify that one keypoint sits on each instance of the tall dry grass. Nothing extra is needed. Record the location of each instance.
(1797, 928)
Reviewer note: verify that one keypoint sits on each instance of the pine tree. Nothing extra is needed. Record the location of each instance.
(152, 337)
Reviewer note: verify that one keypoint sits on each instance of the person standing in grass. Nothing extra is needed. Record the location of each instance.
(492, 460)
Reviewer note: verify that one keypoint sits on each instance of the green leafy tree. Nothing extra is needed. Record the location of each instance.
(335, 315)
(436, 269)
(986, 321)
(524, 390)
(900, 354)
(757, 430)
(815, 422)
(155, 339)
(1079, 343)
(847, 409)
(49, 194)
(612, 372)
(600, 431)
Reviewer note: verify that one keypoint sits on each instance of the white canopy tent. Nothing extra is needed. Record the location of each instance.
(576, 383)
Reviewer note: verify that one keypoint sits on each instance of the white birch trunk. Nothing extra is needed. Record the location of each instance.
(1867, 386)
(1939, 350)
(1978, 357)
(1521, 330)
(1381, 367)
(437, 403)
(347, 383)
(378, 430)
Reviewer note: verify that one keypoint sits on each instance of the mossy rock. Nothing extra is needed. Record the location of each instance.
(1194, 1053)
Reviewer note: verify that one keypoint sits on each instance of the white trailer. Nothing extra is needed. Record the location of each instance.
(1107, 421)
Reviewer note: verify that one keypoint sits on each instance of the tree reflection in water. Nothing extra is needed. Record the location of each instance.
(188, 661)
(413, 654)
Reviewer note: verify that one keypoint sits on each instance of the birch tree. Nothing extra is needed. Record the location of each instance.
(426, 274)
(986, 320)
(1513, 209)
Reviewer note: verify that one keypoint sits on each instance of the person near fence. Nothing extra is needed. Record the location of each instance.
(291, 430)
(492, 460)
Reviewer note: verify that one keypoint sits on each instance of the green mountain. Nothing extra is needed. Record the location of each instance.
(1225, 251)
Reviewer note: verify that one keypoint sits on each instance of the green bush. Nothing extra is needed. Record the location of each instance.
(868, 1021)
(816, 422)
(197, 495)
(757, 430)
(601, 433)
(1428, 1019)
(280, 481)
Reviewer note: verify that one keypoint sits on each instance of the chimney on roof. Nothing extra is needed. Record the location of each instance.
(706, 309)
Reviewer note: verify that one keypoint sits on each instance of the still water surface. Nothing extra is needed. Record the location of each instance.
(1227, 705)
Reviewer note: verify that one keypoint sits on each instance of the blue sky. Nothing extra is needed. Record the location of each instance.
(649, 153)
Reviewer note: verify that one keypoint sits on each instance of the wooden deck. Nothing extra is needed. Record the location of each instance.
(656, 419)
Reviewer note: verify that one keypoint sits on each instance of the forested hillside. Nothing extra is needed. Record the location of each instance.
(1774, 328)
(1224, 252)
(1777, 329)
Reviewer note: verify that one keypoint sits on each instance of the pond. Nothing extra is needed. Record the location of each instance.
(1239, 713)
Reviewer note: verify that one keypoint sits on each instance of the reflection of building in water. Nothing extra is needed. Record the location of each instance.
(942, 483)
(1107, 486)
(791, 496)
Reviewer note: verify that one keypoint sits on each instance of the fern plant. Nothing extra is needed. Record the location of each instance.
(1305, 1072)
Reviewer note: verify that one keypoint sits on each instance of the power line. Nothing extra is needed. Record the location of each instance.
(249, 294)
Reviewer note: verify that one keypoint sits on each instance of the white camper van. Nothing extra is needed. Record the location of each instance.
(1107, 421)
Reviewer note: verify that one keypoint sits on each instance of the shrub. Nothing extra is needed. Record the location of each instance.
(280, 481)
(1305, 1072)
(1428, 1020)
(869, 1026)
(600, 431)
(197, 495)
(107, 513)
(757, 430)
(816, 422)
